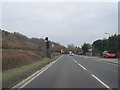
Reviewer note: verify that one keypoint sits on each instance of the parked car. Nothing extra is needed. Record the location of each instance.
(80, 53)
(108, 54)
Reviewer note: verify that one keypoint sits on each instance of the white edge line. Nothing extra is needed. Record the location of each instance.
(33, 78)
(101, 81)
(34, 75)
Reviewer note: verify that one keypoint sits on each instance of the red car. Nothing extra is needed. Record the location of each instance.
(108, 54)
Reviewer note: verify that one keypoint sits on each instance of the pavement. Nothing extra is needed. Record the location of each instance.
(76, 72)
(110, 60)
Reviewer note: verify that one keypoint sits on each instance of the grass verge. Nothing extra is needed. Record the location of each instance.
(12, 73)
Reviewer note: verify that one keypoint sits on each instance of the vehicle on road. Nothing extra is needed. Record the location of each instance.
(71, 53)
(108, 54)
(80, 53)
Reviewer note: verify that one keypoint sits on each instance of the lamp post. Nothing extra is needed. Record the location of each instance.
(108, 41)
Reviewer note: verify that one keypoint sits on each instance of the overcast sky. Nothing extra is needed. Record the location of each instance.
(66, 23)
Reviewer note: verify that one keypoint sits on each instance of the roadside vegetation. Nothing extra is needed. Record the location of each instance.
(22, 56)
(13, 76)
(17, 58)
(111, 44)
(19, 50)
(12, 73)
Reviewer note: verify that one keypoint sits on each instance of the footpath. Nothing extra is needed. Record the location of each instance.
(110, 60)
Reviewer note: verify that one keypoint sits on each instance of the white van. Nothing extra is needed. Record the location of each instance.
(71, 53)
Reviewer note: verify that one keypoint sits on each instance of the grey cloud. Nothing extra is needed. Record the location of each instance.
(63, 22)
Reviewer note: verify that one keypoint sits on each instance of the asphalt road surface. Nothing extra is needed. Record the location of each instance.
(77, 72)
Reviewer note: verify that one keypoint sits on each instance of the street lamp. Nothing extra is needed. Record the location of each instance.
(108, 41)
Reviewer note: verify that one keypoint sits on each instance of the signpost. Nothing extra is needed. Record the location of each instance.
(90, 51)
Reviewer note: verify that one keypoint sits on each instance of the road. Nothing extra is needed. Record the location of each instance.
(77, 72)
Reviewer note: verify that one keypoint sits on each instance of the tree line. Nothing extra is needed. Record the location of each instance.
(18, 41)
(111, 44)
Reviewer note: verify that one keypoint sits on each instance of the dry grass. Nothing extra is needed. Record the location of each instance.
(16, 75)
(55, 54)
(14, 44)
(16, 58)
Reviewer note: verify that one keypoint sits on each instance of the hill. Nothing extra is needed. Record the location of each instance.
(19, 50)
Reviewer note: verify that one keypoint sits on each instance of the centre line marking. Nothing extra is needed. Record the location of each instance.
(78, 64)
(101, 82)
(82, 66)
(75, 61)
(92, 74)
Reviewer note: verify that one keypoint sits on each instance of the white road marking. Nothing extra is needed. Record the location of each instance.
(33, 76)
(101, 82)
(75, 61)
(92, 75)
(82, 66)
(78, 63)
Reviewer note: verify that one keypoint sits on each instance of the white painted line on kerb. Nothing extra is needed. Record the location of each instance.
(35, 75)
(101, 82)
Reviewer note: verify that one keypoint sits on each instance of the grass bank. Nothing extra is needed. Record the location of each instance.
(15, 58)
(13, 73)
